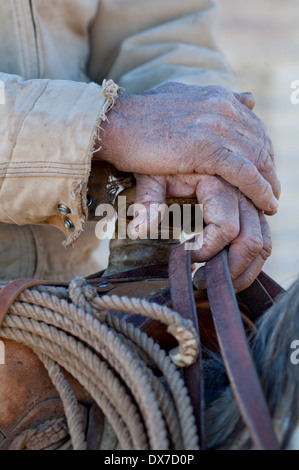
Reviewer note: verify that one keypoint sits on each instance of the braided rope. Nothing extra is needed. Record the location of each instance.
(90, 372)
(129, 367)
(70, 403)
(184, 410)
(42, 436)
(79, 331)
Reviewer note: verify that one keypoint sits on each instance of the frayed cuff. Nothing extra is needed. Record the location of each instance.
(110, 91)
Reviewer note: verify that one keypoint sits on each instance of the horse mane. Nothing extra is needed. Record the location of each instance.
(271, 350)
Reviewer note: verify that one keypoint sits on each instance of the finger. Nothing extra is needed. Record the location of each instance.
(259, 138)
(246, 99)
(240, 145)
(254, 129)
(221, 215)
(150, 195)
(246, 278)
(253, 270)
(249, 243)
(243, 174)
(183, 185)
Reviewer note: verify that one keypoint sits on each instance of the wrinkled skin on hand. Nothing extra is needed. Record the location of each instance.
(231, 219)
(182, 129)
(202, 141)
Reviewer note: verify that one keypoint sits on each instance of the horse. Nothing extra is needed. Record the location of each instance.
(278, 370)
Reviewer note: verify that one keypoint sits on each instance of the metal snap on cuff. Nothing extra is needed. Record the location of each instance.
(88, 200)
(68, 223)
(63, 209)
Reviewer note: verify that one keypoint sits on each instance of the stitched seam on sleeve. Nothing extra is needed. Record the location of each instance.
(22, 122)
(35, 162)
(44, 174)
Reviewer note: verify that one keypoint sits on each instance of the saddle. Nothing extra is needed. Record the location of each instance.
(207, 317)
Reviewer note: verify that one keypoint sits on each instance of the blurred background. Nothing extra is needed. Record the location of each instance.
(260, 39)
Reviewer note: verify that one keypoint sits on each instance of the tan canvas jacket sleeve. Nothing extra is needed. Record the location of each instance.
(141, 44)
(53, 59)
(47, 131)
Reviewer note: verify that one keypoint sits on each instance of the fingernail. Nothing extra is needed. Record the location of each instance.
(274, 203)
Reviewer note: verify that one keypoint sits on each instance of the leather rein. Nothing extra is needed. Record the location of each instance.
(232, 340)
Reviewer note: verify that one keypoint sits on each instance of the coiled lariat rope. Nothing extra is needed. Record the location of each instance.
(77, 330)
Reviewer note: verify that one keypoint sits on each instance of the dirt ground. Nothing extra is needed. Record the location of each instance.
(260, 39)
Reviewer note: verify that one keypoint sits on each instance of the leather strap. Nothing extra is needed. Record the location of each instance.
(145, 272)
(95, 428)
(183, 302)
(13, 289)
(256, 298)
(273, 289)
(236, 354)
(261, 295)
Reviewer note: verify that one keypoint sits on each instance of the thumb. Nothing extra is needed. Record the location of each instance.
(247, 99)
(146, 211)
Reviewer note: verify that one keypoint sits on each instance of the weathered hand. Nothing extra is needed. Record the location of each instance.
(182, 129)
(231, 219)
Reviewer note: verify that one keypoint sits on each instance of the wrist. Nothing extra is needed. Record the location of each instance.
(111, 137)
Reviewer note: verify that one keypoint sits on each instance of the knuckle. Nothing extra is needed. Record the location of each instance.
(219, 157)
(229, 232)
(267, 248)
(248, 173)
(225, 106)
(249, 279)
(253, 245)
(264, 161)
(222, 153)
(222, 98)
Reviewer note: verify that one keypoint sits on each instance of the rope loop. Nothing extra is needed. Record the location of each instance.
(81, 293)
(135, 383)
